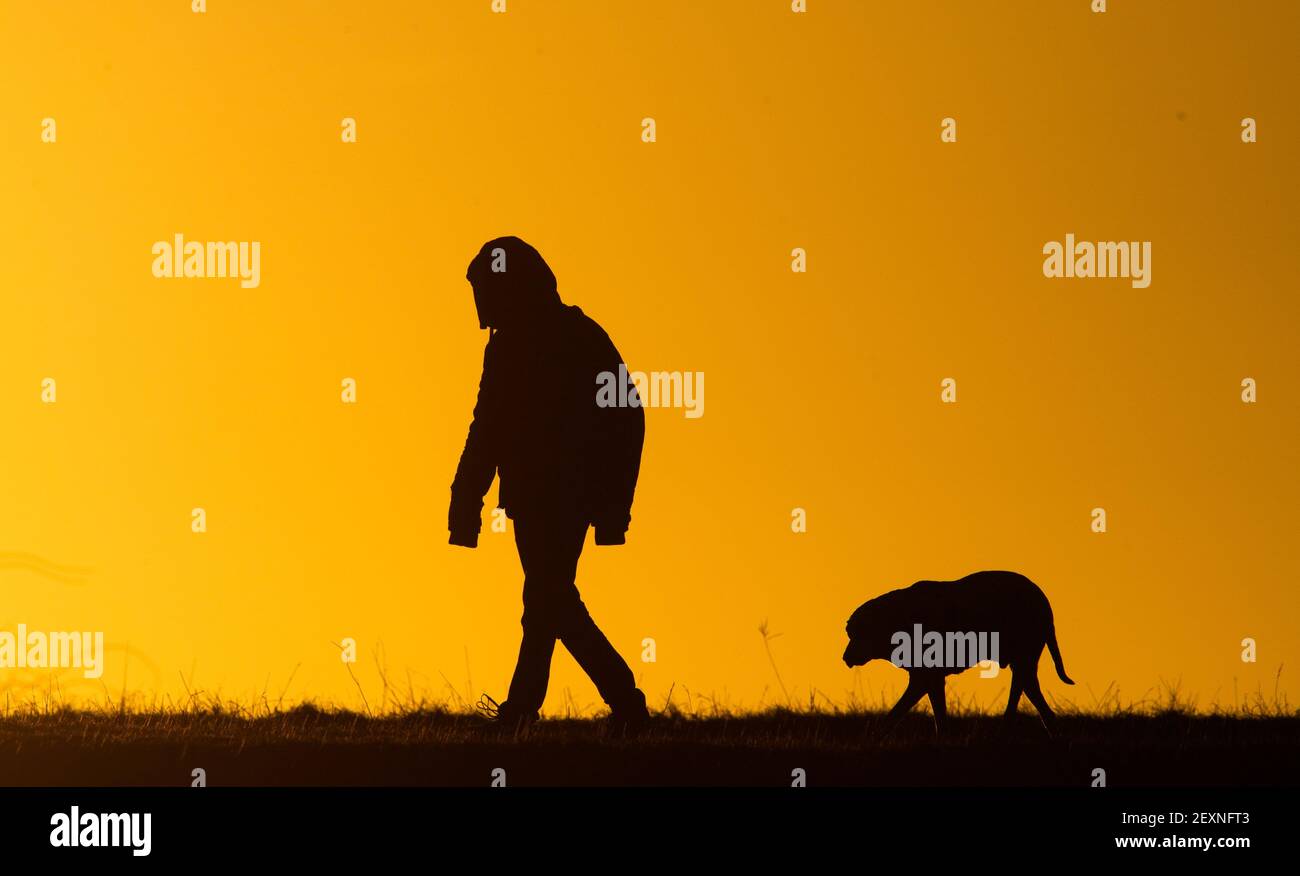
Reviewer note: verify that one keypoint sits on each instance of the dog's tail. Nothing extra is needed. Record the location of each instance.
(1055, 650)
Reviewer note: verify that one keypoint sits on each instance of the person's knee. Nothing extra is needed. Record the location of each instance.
(570, 620)
(556, 616)
(538, 621)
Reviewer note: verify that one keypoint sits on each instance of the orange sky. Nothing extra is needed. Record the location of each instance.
(775, 130)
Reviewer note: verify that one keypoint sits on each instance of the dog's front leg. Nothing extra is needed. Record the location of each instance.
(916, 688)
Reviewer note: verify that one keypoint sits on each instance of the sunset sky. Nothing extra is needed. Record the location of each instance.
(775, 130)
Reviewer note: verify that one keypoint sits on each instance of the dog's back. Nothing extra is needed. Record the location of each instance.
(1006, 603)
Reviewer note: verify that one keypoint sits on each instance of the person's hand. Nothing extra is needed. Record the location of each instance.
(464, 538)
(606, 535)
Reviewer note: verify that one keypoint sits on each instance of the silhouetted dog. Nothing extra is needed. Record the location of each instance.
(939, 628)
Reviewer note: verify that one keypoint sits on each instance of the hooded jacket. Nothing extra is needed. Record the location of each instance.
(536, 421)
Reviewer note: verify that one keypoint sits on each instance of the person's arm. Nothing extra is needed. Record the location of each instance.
(478, 461)
(622, 435)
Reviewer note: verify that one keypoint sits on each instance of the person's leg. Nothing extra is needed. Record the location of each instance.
(600, 660)
(590, 648)
(532, 671)
(537, 555)
(553, 547)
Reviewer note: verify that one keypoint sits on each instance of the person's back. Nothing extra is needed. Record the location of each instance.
(559, 450)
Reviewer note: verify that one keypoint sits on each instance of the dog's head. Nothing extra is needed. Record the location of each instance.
(869, 635)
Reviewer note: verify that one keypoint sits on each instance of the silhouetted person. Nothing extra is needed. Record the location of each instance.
(565, 463)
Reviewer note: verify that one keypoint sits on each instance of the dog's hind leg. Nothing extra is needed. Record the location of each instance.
(1016, 689)
(938, 704)
(1035, 694)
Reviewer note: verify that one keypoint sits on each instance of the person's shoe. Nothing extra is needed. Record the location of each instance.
(630, 718)
(504, 716)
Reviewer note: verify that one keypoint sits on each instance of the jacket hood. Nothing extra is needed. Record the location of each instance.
(513, 285)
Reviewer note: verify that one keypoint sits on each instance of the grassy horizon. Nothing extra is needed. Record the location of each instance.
(1165, 698)
(401, 738)
(306, 745)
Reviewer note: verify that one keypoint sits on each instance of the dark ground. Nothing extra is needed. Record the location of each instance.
(310, 747)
